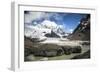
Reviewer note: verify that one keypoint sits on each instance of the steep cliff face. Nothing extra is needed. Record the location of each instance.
(82, 32)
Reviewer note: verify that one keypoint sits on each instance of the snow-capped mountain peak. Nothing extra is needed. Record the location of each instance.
(45, 27)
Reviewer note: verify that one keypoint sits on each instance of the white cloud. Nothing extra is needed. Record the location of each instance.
(49, 24)
(29, 29)
(33, 16)
(39, 15)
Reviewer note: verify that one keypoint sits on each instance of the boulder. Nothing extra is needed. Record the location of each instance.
(29, 58)
(83, 56)
(60, 51)
(27, 52)
(48, 50)
(76, 49)
(50, 53)
(67, 50)
(45, 53)
(71, 49)
(38, 52)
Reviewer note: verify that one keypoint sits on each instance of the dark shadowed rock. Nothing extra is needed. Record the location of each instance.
(27, 52)
(76, 49)
(47, 50)
(38, 52)
(50, 53)
(67, 50)
(52, 34)
(71, 49)
(83, 56)
(48, 34)
(60, 51)
(85, 43)
(45, 53)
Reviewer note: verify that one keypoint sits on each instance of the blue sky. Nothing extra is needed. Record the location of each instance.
(68, 20)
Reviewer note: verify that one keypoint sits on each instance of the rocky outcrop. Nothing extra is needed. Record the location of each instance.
(83, 56)
(85, 43)
(82, 32)
(38, 49)
(52, 34)
(72, 49)
(47, 50)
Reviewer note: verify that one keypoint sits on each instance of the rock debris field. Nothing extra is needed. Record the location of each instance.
(56, 49)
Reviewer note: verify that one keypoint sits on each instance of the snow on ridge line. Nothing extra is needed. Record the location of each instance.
(39, 30)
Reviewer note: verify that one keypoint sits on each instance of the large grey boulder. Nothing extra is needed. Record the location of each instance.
(76, 49)
(67, 50)
(45, 53)
(71, 49)
(48, 50)
(50, 53)
(29, 58)
(60, 51)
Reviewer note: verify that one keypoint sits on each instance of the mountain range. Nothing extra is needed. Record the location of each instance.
(45, 30)
(82, 32)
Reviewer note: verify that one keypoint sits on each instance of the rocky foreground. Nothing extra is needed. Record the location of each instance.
(54, 49)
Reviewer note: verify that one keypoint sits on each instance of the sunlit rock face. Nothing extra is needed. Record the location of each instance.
(82, 32)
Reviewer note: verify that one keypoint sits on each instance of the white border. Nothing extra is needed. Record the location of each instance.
(18, 38)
